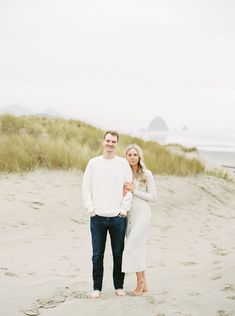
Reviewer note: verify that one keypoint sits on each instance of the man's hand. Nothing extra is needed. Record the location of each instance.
(92, 213)
(122, 214)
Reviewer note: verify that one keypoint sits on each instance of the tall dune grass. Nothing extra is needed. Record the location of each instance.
(33, 142)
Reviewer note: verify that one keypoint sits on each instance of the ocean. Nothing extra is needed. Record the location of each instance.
(214, 145)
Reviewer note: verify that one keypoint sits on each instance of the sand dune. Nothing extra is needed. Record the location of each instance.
(45, 249)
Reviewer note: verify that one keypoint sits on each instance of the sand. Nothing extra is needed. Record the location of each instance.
(45, 249)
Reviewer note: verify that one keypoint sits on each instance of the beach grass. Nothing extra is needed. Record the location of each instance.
(219, 174)
(182, 148)
(30, 142)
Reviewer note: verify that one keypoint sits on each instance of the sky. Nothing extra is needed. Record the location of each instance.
(118, 64)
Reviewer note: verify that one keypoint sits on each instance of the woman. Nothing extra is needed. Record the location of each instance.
(143, 189)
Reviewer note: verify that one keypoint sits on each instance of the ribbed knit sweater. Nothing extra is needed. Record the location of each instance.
(102, 186)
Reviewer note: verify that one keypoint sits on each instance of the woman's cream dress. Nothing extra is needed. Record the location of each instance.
(134, 254)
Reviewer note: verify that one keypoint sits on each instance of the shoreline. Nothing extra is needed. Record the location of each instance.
(218, 160)
(222, 158)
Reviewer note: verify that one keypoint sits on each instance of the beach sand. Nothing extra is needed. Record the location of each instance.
(45, 249)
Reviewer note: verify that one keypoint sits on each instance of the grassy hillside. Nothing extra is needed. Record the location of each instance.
(33, 142)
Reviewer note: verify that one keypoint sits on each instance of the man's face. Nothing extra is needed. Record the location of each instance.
(110, 143)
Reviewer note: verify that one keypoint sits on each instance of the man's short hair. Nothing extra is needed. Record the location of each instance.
(113, 133)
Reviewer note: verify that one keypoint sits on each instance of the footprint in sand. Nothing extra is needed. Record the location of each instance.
(11, 274)
(189, 263)
(221, 312)
(50, 302)
(79, 221)
(3, 268)
(35, 204)
(216, 262)
(75, 294)
(193, 293)
(79, 294)
(63, 203)
(150, 300)
(217, 268)
(159, 302)
(228, 287)
(217, 277)
(219, 251)
(44, 302)
(32, 311)
(163, 292)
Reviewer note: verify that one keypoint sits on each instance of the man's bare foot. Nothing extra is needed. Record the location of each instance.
(96, 294)
(120, 292)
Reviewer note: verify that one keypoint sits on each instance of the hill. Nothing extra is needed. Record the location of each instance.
(15, 109)
(158, 124)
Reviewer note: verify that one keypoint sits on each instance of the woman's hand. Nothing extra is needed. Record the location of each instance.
(128, 187)
(125, 190)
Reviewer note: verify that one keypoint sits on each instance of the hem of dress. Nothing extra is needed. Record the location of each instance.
(133, 271)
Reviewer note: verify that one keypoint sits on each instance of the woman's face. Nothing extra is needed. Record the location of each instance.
(132, 157)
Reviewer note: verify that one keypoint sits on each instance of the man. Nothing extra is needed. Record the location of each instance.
(102, 187)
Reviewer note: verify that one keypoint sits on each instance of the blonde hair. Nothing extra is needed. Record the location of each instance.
(141, 174)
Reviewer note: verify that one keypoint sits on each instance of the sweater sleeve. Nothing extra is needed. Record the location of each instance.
(127, 199)
(87, 189)
(150, 194)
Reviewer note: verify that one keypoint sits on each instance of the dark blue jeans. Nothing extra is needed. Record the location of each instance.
(116, 226)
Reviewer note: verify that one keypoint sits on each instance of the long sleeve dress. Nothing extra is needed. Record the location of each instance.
(134, 255)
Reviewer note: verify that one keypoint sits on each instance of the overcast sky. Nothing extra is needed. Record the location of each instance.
(120, 63)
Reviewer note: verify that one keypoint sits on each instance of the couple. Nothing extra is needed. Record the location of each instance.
(113, 186)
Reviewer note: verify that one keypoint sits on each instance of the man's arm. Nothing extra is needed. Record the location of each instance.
(127, 198)
(87, 189)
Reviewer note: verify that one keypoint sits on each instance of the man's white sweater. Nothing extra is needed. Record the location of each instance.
(103, 186)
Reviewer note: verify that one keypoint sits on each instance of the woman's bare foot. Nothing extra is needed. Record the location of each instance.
(145, 287)
(139, 289)
(145, 283)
